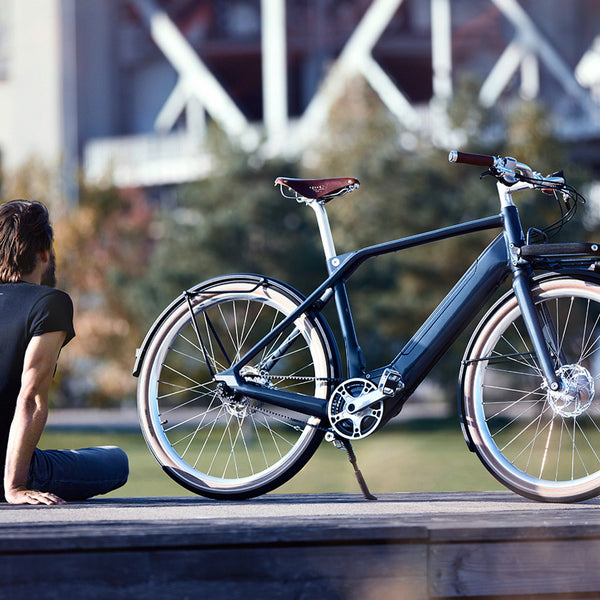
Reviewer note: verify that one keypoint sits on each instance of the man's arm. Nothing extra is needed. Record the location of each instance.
(30, 418)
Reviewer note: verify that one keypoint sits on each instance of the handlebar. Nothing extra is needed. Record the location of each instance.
(514, 176)
(508, 170)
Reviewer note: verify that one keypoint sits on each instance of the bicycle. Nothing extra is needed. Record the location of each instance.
(240, 378)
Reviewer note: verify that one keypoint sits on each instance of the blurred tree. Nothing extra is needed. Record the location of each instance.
(231, 223)
(102, 249)
(123, 259)
(35, 180)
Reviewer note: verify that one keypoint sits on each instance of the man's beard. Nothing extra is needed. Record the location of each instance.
(49, 276)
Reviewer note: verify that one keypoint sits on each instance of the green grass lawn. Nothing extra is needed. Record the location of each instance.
(416, 457)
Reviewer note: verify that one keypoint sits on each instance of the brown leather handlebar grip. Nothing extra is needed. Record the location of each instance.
(479, 160)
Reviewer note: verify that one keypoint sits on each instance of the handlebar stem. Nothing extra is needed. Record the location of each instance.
(505, 192)
(505, 195)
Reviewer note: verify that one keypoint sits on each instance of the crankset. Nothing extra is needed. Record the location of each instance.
(347, 415)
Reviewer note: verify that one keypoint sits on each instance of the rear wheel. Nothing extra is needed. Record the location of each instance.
(544, 445)
(233, 447)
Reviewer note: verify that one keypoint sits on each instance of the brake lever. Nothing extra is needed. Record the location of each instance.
(501, 178)
(558, 174)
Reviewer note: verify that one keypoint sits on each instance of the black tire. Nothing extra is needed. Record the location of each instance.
(541, 445)
(221, 448)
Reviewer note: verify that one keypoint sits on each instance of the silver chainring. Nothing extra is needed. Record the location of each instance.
(353, 425)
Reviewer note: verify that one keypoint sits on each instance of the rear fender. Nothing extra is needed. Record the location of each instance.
(258, 279)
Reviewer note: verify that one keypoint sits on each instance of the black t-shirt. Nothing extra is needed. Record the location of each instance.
(26, 310)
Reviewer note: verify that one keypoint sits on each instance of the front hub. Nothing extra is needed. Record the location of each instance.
(576, 393)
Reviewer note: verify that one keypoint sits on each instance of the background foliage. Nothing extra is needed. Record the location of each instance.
(123, 256)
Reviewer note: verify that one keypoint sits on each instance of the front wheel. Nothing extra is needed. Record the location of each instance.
(541, 444)
(232, 447)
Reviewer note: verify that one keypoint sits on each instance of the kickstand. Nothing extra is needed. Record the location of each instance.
(361, 480)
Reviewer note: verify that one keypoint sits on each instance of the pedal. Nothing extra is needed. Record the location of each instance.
(332, 439)
(390, 383)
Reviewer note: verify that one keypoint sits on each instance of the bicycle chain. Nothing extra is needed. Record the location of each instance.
(288, 418)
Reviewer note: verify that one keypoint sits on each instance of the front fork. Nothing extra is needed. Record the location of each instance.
(521, 286)
(531, 316)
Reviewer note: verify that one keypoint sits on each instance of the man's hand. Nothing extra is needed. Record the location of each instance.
(32, 497)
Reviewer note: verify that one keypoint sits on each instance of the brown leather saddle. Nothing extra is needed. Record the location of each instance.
(319, 189)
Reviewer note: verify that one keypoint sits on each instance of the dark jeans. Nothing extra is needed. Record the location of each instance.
(78, 474)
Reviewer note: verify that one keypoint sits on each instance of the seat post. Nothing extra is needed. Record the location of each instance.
(324, 228)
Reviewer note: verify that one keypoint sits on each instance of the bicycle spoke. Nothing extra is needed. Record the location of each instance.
(546, 447)
(521, 431)
(519, 401)
(588, 442)
(260, 443)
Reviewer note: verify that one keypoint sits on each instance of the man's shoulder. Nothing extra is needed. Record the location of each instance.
(30, 293)
(48, 296)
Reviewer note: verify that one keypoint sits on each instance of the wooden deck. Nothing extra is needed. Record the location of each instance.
(413, 546)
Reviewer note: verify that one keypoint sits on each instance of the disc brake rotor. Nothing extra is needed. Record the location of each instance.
(576, 393)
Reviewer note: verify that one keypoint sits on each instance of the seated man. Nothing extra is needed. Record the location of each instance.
(36, 321)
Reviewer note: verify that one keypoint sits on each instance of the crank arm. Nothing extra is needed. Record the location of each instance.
(389, 385)
(364, 401)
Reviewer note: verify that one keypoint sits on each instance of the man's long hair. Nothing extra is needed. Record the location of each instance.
(25, 231)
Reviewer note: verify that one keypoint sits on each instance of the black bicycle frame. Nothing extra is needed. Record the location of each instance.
(434, 337)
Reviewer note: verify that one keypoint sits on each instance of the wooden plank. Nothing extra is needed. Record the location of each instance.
(518, 568)
(217, 533)
(413, 546)
(498, 528)
(385, 572)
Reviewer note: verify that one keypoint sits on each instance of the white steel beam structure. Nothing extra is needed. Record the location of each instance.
(274, 79)
(356, 59)
(195, 79)
(197, 90)
(528, 45)
(441, 48)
